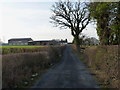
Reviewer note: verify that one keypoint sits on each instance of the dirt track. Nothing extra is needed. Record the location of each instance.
(69, 73)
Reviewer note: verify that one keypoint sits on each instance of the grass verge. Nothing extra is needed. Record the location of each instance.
(103, 63)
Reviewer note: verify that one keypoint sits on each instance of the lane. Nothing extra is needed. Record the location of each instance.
(69, 73)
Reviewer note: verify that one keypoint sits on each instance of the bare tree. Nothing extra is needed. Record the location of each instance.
(72, 15)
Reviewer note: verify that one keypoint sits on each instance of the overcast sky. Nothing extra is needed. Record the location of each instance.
(28, 19)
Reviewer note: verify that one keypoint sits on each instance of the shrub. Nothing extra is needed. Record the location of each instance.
(103, 60)
(19, 68)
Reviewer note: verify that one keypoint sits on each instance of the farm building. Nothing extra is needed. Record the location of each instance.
(63, 41)
(19, 41)
(47, 42)
(29, 41)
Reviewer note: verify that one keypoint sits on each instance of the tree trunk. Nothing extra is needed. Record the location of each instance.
(77, 42)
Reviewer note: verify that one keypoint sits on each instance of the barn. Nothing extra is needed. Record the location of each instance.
(44, 42)
(29, 41)
(19, 41)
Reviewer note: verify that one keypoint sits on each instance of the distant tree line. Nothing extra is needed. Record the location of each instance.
(84, 40)
(107, 16)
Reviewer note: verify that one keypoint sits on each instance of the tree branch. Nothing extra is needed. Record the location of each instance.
(73, 15)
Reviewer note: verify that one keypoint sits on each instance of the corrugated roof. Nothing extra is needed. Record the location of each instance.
(43, 41)
(20, 39)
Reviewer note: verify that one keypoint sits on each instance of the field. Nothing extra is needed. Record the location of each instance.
(21, 48)
(21, 67)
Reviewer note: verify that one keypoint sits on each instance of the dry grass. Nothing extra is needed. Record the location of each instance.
(20, 69)
(103, 61)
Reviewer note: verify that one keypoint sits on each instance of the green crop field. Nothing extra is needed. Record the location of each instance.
(22, 46)
(8, 49)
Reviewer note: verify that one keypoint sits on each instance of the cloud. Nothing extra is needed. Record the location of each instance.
(28, 0)
(27, 16)
(0, 18)
(27, 19)
(29, 22)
